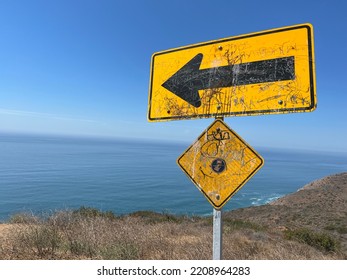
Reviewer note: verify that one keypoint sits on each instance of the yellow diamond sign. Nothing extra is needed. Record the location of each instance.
(267, 72)
(219, 163)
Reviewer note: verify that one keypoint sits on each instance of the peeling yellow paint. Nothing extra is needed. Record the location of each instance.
(287, 96)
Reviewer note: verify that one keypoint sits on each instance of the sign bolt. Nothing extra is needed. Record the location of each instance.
(280, 102)
(220, 48)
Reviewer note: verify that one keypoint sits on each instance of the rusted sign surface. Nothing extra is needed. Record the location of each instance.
(267, 72)
(219, 163)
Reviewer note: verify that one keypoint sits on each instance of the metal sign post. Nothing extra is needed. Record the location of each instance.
(217, 228)
(217, 234)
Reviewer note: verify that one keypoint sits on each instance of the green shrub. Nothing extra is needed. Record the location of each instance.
(83, 249)
(90, 212)
(120, 251)
(321, 241)
(342, 229)
(154, 217)
(242, 224)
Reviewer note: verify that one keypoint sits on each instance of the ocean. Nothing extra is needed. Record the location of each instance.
(43, 174)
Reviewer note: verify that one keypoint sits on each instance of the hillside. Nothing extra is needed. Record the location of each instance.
(320, 206)
(308, 224)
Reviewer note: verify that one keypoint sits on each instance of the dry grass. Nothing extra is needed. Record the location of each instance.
(91, 234)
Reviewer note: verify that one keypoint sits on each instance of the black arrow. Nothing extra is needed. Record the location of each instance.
(188, 80)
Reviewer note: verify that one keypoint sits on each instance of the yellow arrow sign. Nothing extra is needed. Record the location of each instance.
(219, 163)
(267, 72)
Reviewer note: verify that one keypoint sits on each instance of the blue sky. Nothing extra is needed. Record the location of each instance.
(82, 67)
